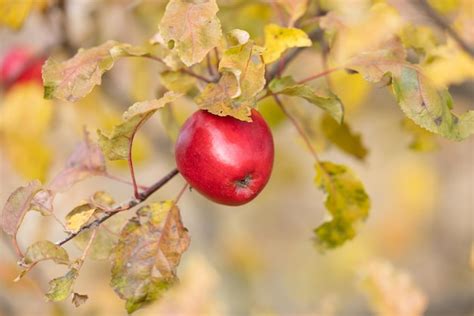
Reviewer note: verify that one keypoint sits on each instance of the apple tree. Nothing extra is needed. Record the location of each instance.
(225, 150)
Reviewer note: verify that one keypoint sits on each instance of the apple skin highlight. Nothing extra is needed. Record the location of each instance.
(227, 160)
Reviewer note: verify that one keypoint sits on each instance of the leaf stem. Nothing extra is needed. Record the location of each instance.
(124, 206)
(130, 156)
(319, 75)
(181, 192)
(298, 128)
(17, 247)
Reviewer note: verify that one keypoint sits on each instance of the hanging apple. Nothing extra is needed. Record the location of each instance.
(20, 64)
(227, 160)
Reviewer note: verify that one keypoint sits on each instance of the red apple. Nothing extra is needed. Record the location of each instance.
(227, 160)
(20, 65)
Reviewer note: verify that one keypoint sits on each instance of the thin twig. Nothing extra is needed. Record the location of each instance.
(17, 247)
(124, 206)
(130, 156)
(210, 68)
(441, 23)
(318, 75)
(195, 75)
(115, 178)
(298, 128)
(180, 193)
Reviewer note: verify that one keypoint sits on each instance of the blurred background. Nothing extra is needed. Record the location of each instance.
(414, 255)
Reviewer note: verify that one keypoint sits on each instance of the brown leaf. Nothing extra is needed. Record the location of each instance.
(79, 299)
(148, 253)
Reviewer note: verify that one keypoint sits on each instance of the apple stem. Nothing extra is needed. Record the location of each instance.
(134, 201)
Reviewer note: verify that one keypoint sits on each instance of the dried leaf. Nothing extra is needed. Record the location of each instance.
(79, 216)
(18, 203)
(87, 160)
(278, 39)
(287, 86)
(75, 78)
(14, 12)
(191, 28)
(102, 200)
(390, 291)
(45, 250)
(60, 288)
(244, 60)
(218, 99)
(79, 299)
(343, 137)
(346, 201)
(148, 253)
(117, 145)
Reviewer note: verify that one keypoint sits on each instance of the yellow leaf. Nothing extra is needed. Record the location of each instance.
(354, 97)
(192, 28)
(79, 216)
(278, 39)
(450, 65)
(25, 118)
(14, 12)
(295, 8)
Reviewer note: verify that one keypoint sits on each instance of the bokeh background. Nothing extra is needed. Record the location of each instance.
(414, 255)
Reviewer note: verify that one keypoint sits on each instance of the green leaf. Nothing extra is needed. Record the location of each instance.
(244, 60)
(17, 205)
(148, 253)
(75, 78)
(219, 99)
(60, 288)
(346, 201)
(418, 98)
(79, 216)
(191, 28)
(343, 137)
(45, 250)
(278, 39)
(428, 107)
(287, 86)
(117, 145)
(87, 160)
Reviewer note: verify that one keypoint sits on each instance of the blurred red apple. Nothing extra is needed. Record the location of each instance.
(227, 160)
(20, 64)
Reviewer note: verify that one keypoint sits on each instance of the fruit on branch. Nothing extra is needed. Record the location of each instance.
(20, 64)
(227, 160)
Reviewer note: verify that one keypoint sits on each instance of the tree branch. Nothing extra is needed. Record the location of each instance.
(441, 23)
(124, 206)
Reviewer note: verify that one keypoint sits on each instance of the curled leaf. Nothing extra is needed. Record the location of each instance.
(148, 253)
(192, 28)
(17, 205)
(287, 86)
(346, 201)
(217, 98)
(79, 299)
